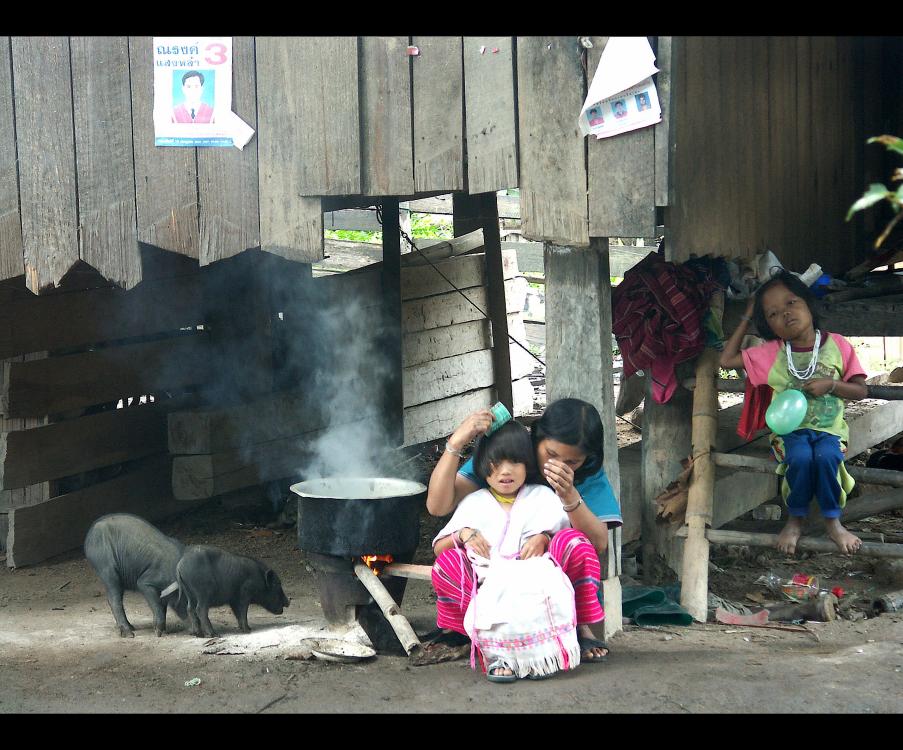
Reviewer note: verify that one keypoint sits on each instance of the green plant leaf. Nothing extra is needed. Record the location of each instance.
(876, 192)
(892, 142)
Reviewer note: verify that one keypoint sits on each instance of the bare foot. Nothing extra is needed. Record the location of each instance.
(584, 631)
(790, 535)
(847, 542)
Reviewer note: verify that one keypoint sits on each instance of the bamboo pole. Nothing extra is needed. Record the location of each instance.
(755, 539)
(404, 570)
(866, 475)
(694, 589)
(406, 635)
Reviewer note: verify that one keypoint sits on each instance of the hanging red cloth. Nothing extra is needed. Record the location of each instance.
(755, 403)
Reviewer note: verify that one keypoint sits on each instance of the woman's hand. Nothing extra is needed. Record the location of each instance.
(819, 386)
(560, 477)
(474, 540)
(474, 425)
(535, 546)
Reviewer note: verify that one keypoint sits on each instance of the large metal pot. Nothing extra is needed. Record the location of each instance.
(359, 516)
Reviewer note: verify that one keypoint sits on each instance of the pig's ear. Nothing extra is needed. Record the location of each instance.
(270, 579)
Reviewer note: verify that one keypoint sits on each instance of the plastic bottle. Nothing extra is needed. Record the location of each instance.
(800, 587)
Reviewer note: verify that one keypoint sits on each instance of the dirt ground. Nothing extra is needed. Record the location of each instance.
(60, 652)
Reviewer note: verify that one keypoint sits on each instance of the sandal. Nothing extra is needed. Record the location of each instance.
(499, 664)
(534, 676)
(589, 643)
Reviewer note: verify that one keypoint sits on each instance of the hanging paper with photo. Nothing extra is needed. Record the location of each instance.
(622, 96)
(193, 93)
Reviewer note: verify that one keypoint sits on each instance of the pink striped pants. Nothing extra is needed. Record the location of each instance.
(453, 579)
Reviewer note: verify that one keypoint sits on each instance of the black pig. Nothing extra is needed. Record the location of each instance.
(129, 554)
(211, 577)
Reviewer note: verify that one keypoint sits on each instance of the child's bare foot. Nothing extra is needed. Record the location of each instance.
(790, 535)
(847, 542)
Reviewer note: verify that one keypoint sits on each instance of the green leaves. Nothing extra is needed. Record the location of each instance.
(876, 192)
(891, 141)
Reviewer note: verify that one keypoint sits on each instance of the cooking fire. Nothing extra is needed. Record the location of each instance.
(376, 563)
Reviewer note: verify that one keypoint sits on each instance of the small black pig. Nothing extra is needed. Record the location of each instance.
(211, 577)
(129, 554)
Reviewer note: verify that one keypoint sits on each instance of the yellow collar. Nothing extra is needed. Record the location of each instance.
(501, 498)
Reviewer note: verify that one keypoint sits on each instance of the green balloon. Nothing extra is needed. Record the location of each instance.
(786, 412)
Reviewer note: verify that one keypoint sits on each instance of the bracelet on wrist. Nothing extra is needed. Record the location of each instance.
(569, 508)
(547, 534)
(470, 536)
(451, 449)
(833, 386)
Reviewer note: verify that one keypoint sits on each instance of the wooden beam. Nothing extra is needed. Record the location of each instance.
(490, 116)
(103, 439)
(108, 232)
(767, 466)
(867, 549)
(621, 176)
(60, 384)
(551, 87)
(166, 179)
(12, 263)
(46, 160)
(662, 132)
(59, 524)
(60, 321)
(324, 156)
(228, 190)
(387, 159)
(695, 569)
(438, 86)
(392, 332)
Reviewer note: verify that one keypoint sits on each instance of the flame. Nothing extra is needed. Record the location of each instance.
(376, 562)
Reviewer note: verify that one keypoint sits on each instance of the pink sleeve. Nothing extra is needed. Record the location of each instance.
(851, 365)
(758, 360)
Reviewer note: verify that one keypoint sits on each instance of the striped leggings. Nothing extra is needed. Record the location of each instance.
(453, 580)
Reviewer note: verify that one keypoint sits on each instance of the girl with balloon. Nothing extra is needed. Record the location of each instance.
(810, 372)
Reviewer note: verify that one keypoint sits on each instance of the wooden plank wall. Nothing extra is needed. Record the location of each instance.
(11, 262)
(770, 143)
(552, 148)
(438, 85)
(490, 113)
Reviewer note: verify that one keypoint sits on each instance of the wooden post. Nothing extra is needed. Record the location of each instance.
(406, 635)
(391, 294)
(472, 212)
(579, 365)
(666, 441)
(695, 568)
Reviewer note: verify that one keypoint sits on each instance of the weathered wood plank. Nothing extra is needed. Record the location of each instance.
(227, 177)
(490, 113)
(446, 377)
(550, 89)
(57, 321)
(438, 81)
(449, 309)
(662, 131)
(313, 80)
(728, 87)
(508, 205)
(11, 261)
(42, 453)
(107, 232)
(436, 343)
(60, 524)
(60, 384)
(166, 178)
(437, 418)
(621, 176)
(321, 157)
(44, 138)
(387, 159)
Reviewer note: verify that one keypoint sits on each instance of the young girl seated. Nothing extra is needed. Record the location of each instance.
(511, 519)
(798, 355)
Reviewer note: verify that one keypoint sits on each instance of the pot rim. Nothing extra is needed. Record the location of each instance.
(358, 488)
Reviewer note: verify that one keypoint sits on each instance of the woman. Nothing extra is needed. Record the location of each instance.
(568, 439)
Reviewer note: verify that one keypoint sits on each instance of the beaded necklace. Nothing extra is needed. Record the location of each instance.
(813, 362)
